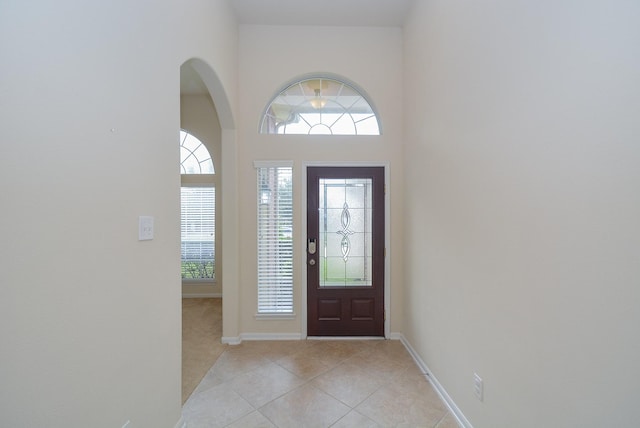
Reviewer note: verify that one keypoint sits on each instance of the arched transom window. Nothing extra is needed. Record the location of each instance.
(194, 156)
(319, 105)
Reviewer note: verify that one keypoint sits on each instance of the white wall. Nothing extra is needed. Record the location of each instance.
(269, 57)
(522, 207)
(89, 115)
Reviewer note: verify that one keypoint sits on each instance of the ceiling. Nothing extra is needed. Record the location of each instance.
(348, 13)
(376, 13)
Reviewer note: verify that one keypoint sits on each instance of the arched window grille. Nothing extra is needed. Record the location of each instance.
(194, 156)
(319, 105)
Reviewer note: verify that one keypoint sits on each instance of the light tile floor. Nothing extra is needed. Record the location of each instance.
(316, 383)
(201, 345)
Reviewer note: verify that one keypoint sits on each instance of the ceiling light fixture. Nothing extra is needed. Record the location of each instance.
(318, 102)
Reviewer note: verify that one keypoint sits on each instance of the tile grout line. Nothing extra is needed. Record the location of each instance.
(309, 382)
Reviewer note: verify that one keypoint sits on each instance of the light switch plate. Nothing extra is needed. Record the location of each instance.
(145, 228)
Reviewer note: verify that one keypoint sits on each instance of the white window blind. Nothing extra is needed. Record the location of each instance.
(198, 232)
(275, 239)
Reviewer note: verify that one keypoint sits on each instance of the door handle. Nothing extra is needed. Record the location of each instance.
(311, 247)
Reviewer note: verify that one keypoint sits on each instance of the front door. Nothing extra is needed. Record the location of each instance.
(345, 251)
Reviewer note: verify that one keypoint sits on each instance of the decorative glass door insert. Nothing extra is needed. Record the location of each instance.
(345, 223)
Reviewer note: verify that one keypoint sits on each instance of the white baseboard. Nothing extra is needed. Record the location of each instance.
(231, 340)
(395, 336)
(261, 336)
(270, 336)
(201, 295)
(455, 410)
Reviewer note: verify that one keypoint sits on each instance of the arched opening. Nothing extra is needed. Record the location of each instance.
(205, 113)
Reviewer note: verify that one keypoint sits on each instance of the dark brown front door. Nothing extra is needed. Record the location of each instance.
(345, 251)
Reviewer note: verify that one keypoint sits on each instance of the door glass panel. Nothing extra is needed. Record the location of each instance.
(345, 214)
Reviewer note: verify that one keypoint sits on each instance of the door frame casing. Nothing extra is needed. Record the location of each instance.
(387, 235)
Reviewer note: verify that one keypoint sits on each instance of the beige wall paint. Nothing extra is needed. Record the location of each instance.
(522, 207)
(518, 191)
(198, 116)
(89, 315)
(269, 57)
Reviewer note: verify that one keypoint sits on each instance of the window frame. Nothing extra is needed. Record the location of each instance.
(201, 183)
(264, 289)
(320, 76)
(193, 154)
(199, 180)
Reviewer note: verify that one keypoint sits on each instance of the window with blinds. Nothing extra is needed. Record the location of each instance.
(275, 238)
(197, 229)
(197, 210)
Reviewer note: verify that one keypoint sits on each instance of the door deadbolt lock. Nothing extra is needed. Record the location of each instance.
(312, 262)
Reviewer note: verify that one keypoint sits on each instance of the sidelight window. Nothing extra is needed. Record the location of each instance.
(275, 237)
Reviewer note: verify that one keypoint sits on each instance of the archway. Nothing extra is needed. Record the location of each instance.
(197, 77)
